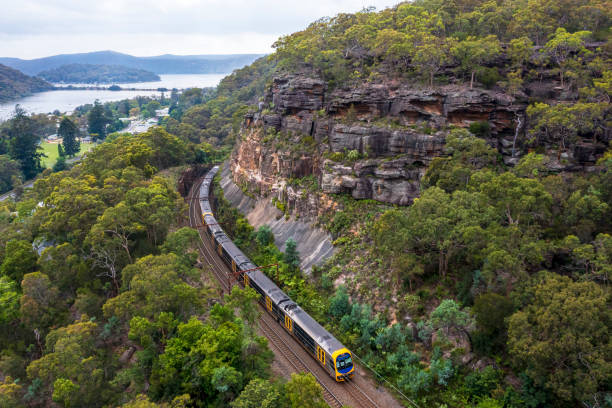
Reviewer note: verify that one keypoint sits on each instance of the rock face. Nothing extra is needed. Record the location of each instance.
(314, 244)
(373, 142)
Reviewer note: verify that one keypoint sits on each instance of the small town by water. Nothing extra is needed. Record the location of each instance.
(67, 100)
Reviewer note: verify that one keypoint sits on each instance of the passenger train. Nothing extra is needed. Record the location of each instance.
(324, 347)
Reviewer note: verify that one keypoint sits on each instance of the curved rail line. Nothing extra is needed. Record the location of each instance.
(270, 332)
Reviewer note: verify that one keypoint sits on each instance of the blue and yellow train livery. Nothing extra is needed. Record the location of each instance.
(325, 348)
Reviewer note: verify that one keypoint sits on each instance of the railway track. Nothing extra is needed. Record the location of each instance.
(363, 398)
(266, 323)
(296, 361)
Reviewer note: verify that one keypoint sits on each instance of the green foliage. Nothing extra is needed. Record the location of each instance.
(214, 118)
(184, 243)
(258, 393)
(563, 321)
(481, 383)
(467, 154)
(156, 284)
(96, 74)
(440, 368)
(491, 310)
(448, 315)
(10, 393)
(97, 120)
(100, 224)
(63, 390)
(10, 173)
(68, 131)
(414, 380)
(41, 305)
(339, 304)
(148, 110)
(72, 357)
(20, 259)
(592, 261)
(23, 134)
(9, 301)
(264, 236)
(60, 164)
(292, 256)
(480, 129)
(562, 45)
(216, 355)
(304, 391)
(561, 124)
(472, 53)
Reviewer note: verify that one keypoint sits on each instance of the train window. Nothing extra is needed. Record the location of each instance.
(269, 303)
(288, 323)
(344, 362)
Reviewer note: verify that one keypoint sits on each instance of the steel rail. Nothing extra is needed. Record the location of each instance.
(363, 398)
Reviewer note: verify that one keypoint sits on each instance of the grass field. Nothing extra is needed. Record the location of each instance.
(50, 149)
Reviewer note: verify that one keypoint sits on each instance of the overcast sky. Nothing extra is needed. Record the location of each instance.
(38, 28)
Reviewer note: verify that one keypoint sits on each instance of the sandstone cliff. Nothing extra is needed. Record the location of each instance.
(373, 142)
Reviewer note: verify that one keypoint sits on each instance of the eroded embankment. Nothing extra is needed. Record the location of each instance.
(314, 244)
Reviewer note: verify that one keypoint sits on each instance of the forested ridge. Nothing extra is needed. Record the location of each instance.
(14, 84)
(490, 290)
(97, 73)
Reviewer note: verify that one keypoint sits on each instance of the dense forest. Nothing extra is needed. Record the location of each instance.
(97, 74)
(101, 300)
(491, 289)
(14, 84)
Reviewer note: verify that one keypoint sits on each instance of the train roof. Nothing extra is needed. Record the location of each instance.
(269, 287)
(214, 228)
(237, 255)
(205, 206)
(324, 338)
(212, 172)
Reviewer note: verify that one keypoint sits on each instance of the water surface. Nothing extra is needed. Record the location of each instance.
(67, 101)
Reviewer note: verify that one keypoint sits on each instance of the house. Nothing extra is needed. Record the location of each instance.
(160, 113)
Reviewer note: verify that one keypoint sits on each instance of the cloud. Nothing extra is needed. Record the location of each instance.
(34, 28)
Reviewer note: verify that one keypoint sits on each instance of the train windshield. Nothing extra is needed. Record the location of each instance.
(344, 362)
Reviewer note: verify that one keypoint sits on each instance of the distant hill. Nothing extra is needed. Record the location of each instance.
(101, 74)
(15, 84)
(162, 64)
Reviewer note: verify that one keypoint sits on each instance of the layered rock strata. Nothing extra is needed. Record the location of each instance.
(374, 141)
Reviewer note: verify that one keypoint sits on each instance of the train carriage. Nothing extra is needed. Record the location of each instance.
(325, 348)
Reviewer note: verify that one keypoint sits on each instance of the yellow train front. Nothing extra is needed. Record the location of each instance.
(316, 340)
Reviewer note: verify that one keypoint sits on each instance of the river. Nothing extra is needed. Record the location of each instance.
(65, 100)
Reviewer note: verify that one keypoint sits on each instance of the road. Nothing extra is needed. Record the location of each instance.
(30, 183)
(11, 193)
(141, 126)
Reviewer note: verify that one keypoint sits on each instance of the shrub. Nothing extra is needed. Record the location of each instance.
(488, 76)
(352, 155)
(339, 304)
(480, 129)
(481, 383)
